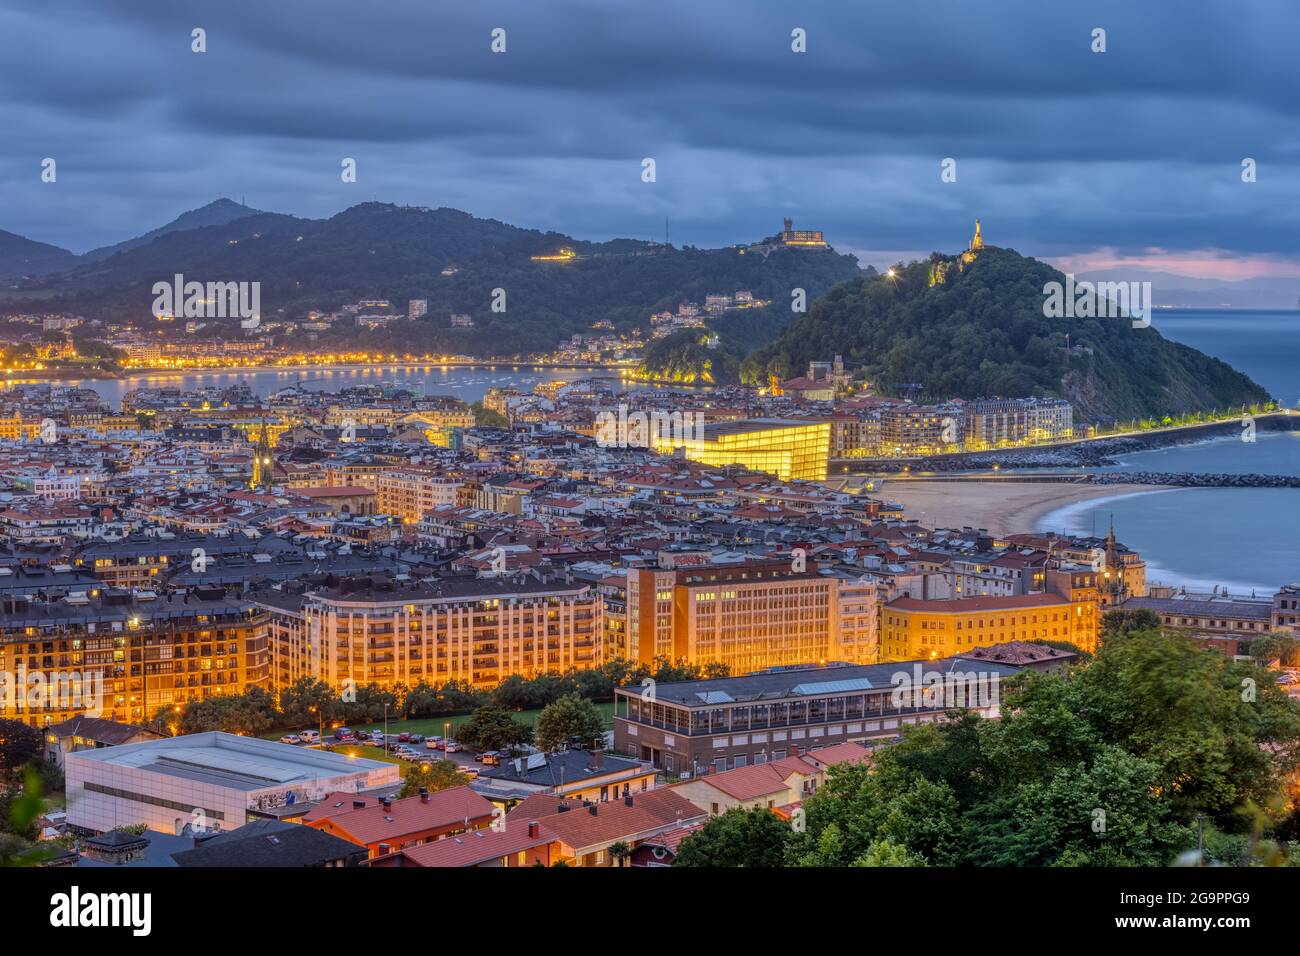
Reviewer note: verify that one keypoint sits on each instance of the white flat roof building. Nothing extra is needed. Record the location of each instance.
(212, 780)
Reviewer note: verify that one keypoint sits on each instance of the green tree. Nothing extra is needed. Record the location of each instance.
(750, 838)
(885, 853)
(20, 744)
(567, 718)
(493, 728)
(434, 776)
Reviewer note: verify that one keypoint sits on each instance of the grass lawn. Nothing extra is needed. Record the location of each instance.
(433, 726)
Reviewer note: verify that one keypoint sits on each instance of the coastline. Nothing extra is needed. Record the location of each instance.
(1002, 507)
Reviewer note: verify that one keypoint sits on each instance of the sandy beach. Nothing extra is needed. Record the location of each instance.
(1003, 507)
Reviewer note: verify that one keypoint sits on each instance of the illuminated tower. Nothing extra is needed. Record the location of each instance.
(263, 461)
(1114, 591)
(977, 243)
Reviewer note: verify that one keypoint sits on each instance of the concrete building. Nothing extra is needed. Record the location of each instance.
(692, 727)
(208, 781)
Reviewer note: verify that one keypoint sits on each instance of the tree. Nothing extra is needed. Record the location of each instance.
(567, 718)
(435, 776)
(750, 838)
(885, 853)
(1121, 622)
(1106, 764)
(493, 728)
(20, 744)
(619, 852)
(1276, 646)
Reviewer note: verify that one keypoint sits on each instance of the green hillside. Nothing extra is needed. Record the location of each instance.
(981, 332)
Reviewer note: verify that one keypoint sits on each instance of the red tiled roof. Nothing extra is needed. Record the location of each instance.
(412, 815)
(840, 753)
(650, 810)
(749, 783)
(477, 846)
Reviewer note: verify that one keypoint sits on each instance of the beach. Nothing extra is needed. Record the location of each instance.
(1001, 507)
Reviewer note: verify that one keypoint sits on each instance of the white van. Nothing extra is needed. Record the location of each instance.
(309, 736)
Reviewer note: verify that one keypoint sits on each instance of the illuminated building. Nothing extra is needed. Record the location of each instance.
(997, 423)
(564, 255)
(976, 244)
(921, 429)
(808, 238)
(478, 630)
(746, 616)
(411, 494)
(790, 449)
(912, 628)
(263, 462)
(138, 655)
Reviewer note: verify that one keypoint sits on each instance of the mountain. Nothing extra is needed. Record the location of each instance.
(1170, 290)
(216, 213)
(974, 330)
(382, 251)
(21, 257)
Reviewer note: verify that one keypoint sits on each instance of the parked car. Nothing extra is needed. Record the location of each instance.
(491, 758)
(471, 772)
(309, 736)
(417, 738)
(433, 742)
(290, 739)
(452, 747)
(343, 733)
(404, 737)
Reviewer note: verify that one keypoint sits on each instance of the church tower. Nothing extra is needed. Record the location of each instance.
(1113, 590)
(263, 461)
(977, 243)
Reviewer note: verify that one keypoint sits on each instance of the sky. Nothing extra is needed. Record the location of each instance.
(1132, 156)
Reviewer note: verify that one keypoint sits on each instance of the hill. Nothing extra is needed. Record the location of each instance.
(382, 251)
(215, 213)
(981, 332)
(20, 257)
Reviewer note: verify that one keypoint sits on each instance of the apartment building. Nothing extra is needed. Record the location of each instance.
(921, 429)
(1004, 422)
(127, 657)
(412, 493)
(747, 616)
(390, 632)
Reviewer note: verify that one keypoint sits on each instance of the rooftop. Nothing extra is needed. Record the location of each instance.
(240, 763)
(809, 682)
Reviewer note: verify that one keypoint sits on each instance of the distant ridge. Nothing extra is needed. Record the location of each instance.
(216, 213)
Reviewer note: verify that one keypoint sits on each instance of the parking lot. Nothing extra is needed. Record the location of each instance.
(368, 747)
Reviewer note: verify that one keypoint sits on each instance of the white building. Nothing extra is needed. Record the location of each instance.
(212, 780)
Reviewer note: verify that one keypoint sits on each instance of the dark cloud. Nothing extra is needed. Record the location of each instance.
(1059, 150)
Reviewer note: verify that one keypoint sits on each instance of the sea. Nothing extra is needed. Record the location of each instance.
(1243, 540)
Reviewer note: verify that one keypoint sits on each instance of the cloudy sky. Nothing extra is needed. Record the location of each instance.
(1132, 155)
